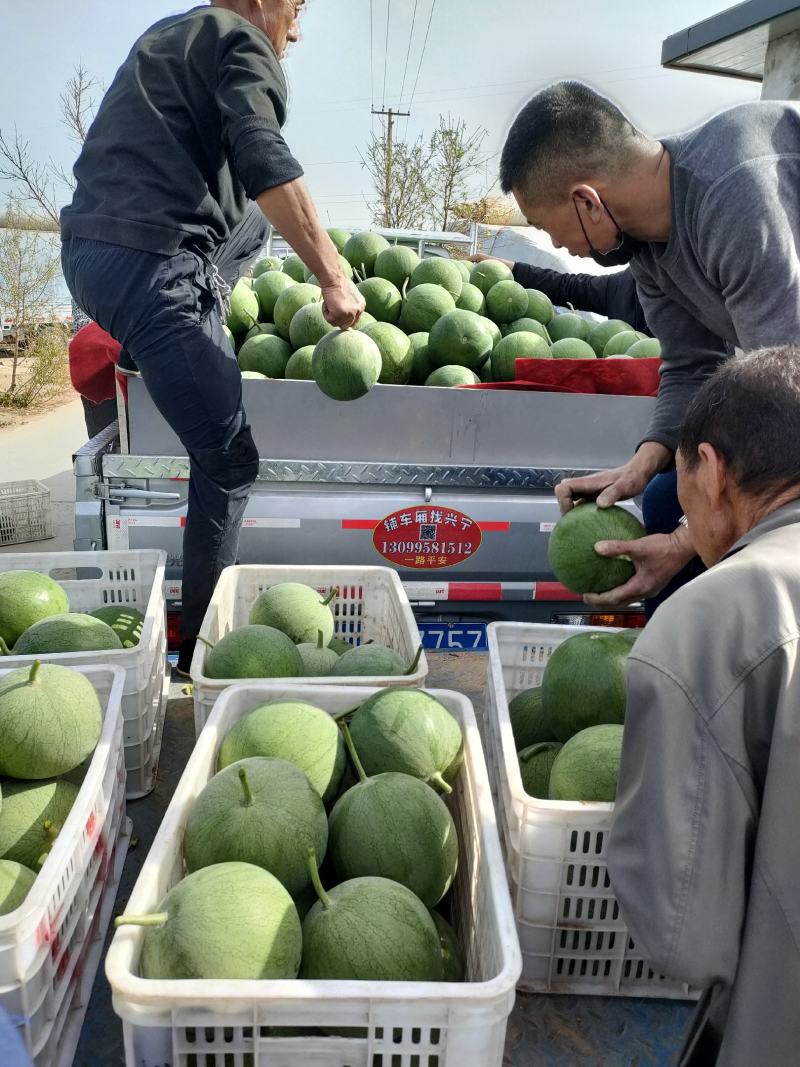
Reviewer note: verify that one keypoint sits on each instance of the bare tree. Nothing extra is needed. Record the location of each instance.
(398, 170)
(455, 157)
(79, 103)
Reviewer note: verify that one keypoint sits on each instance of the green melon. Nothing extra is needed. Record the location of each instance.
(373, 661)
(31, 817)
(27, 597)
(513, 347)
(540, 307)
(347, 271)
(125, 621)
(362, 250)
(571, 551)
(409, 731)
(396, 265)
(244, 309)
(253, 375)
(619, 343)
(339, 238)
(255, 651)
(346, 364)
(233, 342)
(228, 921)
(340, 645)
(265, 354)
(299, 365)
(50, 720)
(258, 810)
(268, 287)
(423, 367)
(535, 764)
(465, 267)
(486, 372)
(459, 339)
(397, 355)
(318, 659)
(601, 334)
(370, 930)
(294, 268)
(587, 767)
(526, 325)
(585, 682)
(568, 324)
(268, 263)
(471, 299)
(73, 632)
(487, 274)
(364, 320)
(646, 348)
(494, 332)
(289, 303)
(449, 377)
(382, 298)
(453, 968)
(309, 326)
(424, 306)
(506, 302)
(394, 826)
(528, 722)
(297, 610)
(246, 281)
(300, 733)
(436, 271)
(260, 328)
(571, 348)
(16, 882)
(632, 634)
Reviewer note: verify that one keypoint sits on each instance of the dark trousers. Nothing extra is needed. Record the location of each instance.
(164, 311)
(662, 512)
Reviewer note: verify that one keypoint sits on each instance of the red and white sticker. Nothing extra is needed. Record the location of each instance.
(427, 538)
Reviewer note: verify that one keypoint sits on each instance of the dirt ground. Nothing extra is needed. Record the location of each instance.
(11, 416)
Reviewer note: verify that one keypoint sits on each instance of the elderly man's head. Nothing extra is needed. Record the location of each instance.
(279, 20)
(739, 453)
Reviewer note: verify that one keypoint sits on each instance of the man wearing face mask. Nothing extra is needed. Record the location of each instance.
(710, 224)
(161, 223)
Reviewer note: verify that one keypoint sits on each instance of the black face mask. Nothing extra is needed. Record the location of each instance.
(622, 253)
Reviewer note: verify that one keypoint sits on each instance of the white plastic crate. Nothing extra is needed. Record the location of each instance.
(572, 935)
(371, 606)
(50, 946)
(132, 579)
(24, 513)
(222, 1023)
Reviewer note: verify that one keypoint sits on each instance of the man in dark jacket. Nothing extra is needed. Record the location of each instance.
(186, 138)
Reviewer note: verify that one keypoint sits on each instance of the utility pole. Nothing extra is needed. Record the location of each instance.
(391, 115)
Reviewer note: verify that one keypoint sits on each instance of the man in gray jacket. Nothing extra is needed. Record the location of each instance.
(704, 854)
(710, 224)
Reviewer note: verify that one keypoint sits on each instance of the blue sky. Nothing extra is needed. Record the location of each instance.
(479, 65)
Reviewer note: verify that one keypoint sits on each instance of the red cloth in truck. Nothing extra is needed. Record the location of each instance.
(620, 377)
(93, 355)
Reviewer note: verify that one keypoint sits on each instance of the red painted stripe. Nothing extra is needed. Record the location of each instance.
(370, 524)
(475, 591)
(554, 591)
(495, 527)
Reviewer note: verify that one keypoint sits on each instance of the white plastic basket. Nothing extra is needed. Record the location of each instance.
(371, 606)
(571, 932)
(221, 1023)
(50, 946)
(131, 579)
(24, 513)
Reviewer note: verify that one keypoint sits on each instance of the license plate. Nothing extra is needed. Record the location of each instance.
(454, 636)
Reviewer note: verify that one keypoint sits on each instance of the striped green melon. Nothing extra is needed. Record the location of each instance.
(253, 651)
(26, 597)
(339, 238)
(568, 324)
(126, 622)
(318, 659)
(362, 250)
(244, 308)
(73, 632)
(528, 721)
(373, 661)
(268, 263)
(601, 334)
(230, 920)
(487, 274)
(347, 363)
(297, 610)
(293, 267)
(309, 326)
(453, 969)
(437, 271)
(396, 265)
(50, 720)
(450, 377)
(535, 764)
(409, 731)
(260, 811)
(339, 645)
(587, 767)
(571, 552)
(299, 365)
(268, 287)
(506, 301)
(31, 818)
(295, 731)
(382, 298)
(585, 683)
(16, 882)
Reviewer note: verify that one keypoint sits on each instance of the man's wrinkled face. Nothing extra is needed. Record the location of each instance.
(706, 504)
(280, 21)
(562, 223)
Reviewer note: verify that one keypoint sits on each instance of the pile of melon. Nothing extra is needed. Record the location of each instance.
(319, 849)
(435, 321)
(290, 634)
(35, 620)
(568, 731)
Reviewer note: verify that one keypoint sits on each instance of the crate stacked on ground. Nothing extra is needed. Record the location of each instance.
(371, 605)
(572, 935)
(24, 513)
(256, 1022)
(50, 946)
(125, 579)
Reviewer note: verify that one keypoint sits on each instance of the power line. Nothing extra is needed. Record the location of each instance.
(408, 53)
(371, 57)
(422, 56)
(386, 52)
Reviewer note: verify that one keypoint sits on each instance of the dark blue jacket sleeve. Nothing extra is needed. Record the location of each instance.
(612, 295)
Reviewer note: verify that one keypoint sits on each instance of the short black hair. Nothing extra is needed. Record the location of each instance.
(749, 411)
(567, 133)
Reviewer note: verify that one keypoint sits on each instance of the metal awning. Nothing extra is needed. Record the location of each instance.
(734, 42)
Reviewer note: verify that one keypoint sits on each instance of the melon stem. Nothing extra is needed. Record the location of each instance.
(158, 918)
(4, 649)
(338, 715)
(316, 881)
(50, 829)
(441, 784)
(351, 748)
(415, 662)
(330, 597)
(203, 641)
(320, 639)
(34, 671)
(248, 792)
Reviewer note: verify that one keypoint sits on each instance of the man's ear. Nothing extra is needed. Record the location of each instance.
(713, 472)
(588, 200)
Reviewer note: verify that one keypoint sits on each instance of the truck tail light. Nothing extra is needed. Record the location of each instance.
(173, 631)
